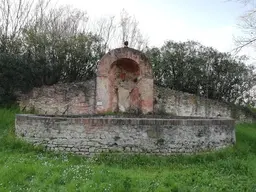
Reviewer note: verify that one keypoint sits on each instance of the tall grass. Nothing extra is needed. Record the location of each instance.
(26, 168)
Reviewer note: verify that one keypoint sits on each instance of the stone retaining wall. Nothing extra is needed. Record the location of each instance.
(93, 135)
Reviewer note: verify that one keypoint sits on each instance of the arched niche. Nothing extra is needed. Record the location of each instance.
(124, 82)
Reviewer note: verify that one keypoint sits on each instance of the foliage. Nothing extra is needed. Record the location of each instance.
(14, 76)
(51, 47)
(65, 59)
(24, 167)
(194, 68)
(42, 45)
(251, 110)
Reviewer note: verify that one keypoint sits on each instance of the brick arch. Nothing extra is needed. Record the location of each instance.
(108, 59)
(112, 82)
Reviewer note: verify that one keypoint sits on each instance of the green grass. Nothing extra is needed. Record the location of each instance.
(26, 168)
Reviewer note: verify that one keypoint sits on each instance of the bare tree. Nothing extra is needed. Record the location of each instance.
(106, 28)
(114, 31)
(13, 16)
(129, 28)
(247, 24)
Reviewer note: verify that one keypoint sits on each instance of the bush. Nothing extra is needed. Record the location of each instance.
(15, 76)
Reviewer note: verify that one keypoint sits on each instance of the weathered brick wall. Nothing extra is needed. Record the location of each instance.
(79, 98)
(61, 99)
(185, 104)
(92, 135)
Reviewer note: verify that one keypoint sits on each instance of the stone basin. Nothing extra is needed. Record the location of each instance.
(126, 133)
(124, 83)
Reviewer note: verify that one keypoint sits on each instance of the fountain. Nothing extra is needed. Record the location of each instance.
(124, 119)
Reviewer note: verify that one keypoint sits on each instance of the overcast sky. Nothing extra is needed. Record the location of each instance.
(211, 22)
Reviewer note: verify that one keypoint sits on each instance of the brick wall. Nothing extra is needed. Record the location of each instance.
(185, 104)
(61, 99)
(79, 98)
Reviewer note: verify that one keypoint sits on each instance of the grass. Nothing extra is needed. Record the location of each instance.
(27, 168)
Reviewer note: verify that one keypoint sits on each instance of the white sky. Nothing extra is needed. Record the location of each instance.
(211, 22)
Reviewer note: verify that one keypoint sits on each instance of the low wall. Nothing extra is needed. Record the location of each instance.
(93, 135)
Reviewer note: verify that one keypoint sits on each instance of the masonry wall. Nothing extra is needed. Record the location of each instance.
(89, 136)
(61, 99)
(79, 98)
(185, 104)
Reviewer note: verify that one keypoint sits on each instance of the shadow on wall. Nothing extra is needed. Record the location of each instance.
(124, 86)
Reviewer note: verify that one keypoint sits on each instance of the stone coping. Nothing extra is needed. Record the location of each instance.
(118, 120)
(125, 115)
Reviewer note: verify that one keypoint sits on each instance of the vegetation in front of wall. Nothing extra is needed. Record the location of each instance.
(252, 110)
(248, 110)
(24, 167)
